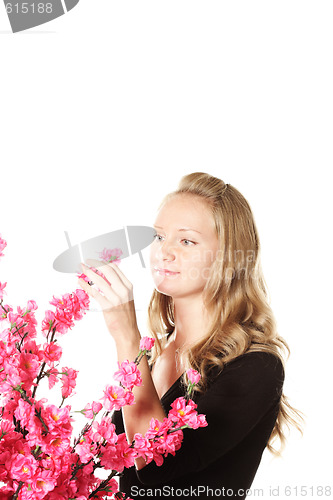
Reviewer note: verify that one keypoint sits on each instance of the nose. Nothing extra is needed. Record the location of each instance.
(166, 251)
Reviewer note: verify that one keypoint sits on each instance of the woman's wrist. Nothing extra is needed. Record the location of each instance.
(128, 346)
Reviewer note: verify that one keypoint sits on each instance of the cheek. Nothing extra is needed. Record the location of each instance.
(200, 259)
(196, 268)
(152, 253)
(199, 273)
(205, 264)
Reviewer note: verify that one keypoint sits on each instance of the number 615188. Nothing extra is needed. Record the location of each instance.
(26, 8)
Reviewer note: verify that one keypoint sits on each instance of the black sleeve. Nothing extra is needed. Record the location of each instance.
(235, 402)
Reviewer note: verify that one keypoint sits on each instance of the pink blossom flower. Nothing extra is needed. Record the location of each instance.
(124, 457)
(115, 397)
(32, 305)
(86, 449)
(48, 322)
(28, 311)
(111, 255)
(166, 443)
(193, 376)
(42, 482)
(9, 378)
(16, 322)
(162, 440)
(20, 446)
(22, 467)
(183, 413)
(64, 321)
(28, 366)
(58, 419)
(91, 409)
(146, 343)
(68, 307)
(24, 413)
(6, 426)
(196, 421)
(6, 493)
(31, 347)
(52, 377)
(128, 374)
(81, 303)
(2, 289)
(52, 352)
(55, 445)
(154, 428)
(68, 380)
(64, 302)
(52, 464)
(3, 244)
(105, 430)
(3, 314)
(143, 447)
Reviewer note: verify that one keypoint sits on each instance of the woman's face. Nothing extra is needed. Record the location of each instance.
(184, 248)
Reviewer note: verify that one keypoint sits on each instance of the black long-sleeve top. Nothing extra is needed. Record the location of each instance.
(241, 405)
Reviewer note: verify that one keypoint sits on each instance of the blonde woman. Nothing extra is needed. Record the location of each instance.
(209, 312)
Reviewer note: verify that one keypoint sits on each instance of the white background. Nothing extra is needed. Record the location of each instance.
(104, 109)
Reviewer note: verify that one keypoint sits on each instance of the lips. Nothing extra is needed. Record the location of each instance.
(165, 272)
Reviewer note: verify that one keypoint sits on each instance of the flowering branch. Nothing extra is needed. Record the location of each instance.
(37, 412)
(41, 373)
(39, 459)
(104, 484)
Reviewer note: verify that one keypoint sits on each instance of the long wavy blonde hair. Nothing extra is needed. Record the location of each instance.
(235, 296)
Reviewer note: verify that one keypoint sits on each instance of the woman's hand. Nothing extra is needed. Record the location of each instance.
(116, 299)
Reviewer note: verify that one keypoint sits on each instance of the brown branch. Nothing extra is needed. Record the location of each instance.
(41, 374)
(103, 484)
(37, 412)
(15, 496)
(4, 308)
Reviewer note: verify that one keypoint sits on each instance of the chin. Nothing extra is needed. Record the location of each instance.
(167, 289)
(175, 292)
(163, 292)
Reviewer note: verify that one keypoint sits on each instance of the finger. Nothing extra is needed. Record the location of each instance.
(117, 291)
(106, 266)
(120, 274)
(92, 292)
(96, 265)
(101, 283)
(110, 272)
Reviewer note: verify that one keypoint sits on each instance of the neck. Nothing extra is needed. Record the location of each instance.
(190, 320)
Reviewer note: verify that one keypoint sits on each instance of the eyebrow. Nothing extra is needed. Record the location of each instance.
(182, 229)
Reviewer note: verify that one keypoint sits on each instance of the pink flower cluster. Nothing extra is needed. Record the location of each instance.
(166, 437)
(146, 343)
(193, 376)
(69, 307)
(111, 255)
(128, 374)
(39, 458)
(3, 245)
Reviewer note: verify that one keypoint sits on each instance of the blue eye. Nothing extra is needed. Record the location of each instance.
(157, 236)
